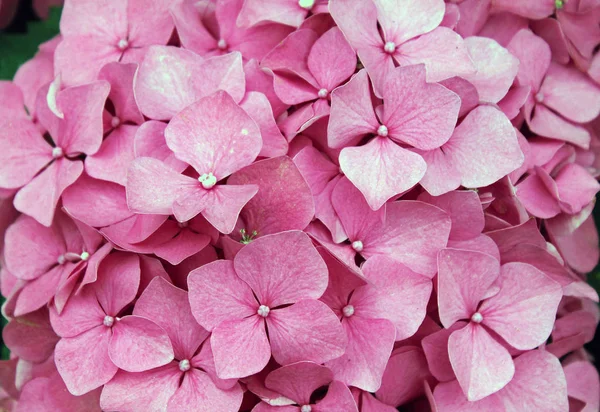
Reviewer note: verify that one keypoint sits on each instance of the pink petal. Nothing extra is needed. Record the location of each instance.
(298, 381)
(149, 24)
(485, 135)
(443, 52)
(214, 135)
(114, 157)
(143, 391)
(338, 399)
(451, 398)
(150, 141)
(469, 97)
(580, 189)
(217, 294)
(464, 278)
(536, 198)
(118, 281)
(152, 186)
(370, 344)
(30, 337)
(524, 310)
(284, 12)
(257, 106)
(533, 9)
(28, 153)
(534, 55)
(435, 347)
(260, 81)
(185, 244)
(496, 68)
(381, 169)
(97, 203)
(12, 107)
(582, 383)
(352, 115)
(307, 330)
(396, 293)
(198, 393)
(417, 113)
(548, 124)
(157, 303)
(137, 344)
(481, 364)
(282, 268)
(121, 79)
(241, 347)
(83, 361)
(38, 292)
(331, 59)
(39, 198)
(441, 176)
(81, 314)
(290, 206)
(406, 19)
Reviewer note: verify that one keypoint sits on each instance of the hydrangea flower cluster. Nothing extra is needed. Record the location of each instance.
(303, 205)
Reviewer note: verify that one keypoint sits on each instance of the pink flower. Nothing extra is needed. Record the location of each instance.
(188, 382)
(289, 12)
(517, 301)
(216, 137)
(96, 341)
(272, 283)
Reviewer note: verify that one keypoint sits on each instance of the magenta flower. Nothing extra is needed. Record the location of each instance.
(196, 33)
(187, 383)
(538, 384)
(272, 283)
(67, 255)
(517, 302)
(96, 341)
(414, 113)
(95, 34)
(298, 382)
(409, 35)
(73, 118)
(391, 306)
(216, 137)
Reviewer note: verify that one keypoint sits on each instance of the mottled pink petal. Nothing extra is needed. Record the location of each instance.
(114, 157)
(338, 399)
(150, 141)
(576, 187)
(481, 364)
(442, 175)
(381, 169)
(331, 59)
(405, 19)
(547, 123)
(121, 79)
(534, 55)
(118, 281)
(307, 330)
(257, 106)
(298, 381)
(464, 278)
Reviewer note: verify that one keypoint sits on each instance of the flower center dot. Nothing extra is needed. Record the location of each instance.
(182, 224)
(85, 256)
(222, 44)
(263, 311)
(115, 121)
(57, 152)
(382, 131)
(389, 47)
(306, 408)
(208, 180)
(61, 260)
(539, 97)
(306, 4)
(348, 310)
(184, 365)
(559, 4)
(123, 44)
(477, 317)
(357, 245)
(108, 321)
(323, 93)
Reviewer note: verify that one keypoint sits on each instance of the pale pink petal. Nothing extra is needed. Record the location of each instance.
(547, 123)
(114, 157)
(81, 314)
(152, 186)
(284, 12)
(534, 55)
(307, 330)
(38, 292)
(406, 19)
(198, 393)
(257, 106)
(83, 361)
(118, 281)
(217, 294)
(443, 52)
(481, 364)
(352, 115)
(536, 198)
(435, 347)
(469, 97)
(149, 23)
(39, 198)
(576, 187)
(331, 59)
(121, 76)
(150, 141)
(524, 310)
(241, 347)
(138, 344)
(370, 344)
(214, 135)
(442, 175)
(298, 381)
(582, 383)
(282, 268)
(338, 399)
(464, 278)
(533, 9)
(381, 169)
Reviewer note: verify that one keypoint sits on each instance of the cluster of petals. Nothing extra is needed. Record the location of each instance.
(303, 205)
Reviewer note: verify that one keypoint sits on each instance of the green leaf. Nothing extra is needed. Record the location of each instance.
(17, 48)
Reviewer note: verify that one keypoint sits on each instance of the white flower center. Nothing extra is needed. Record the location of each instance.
(263, 311)
(57, 152)
(389, 47)
(382, 131)
(115, 121)
(477, 317)
(123, 44)
(306, 4)
(84, 256)
(539, 97)
(306, 408)
(108, 321)
(184, 365)
(357, 245)
(208, 180)
(222, 44)
(348, 310)
(323, 93)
